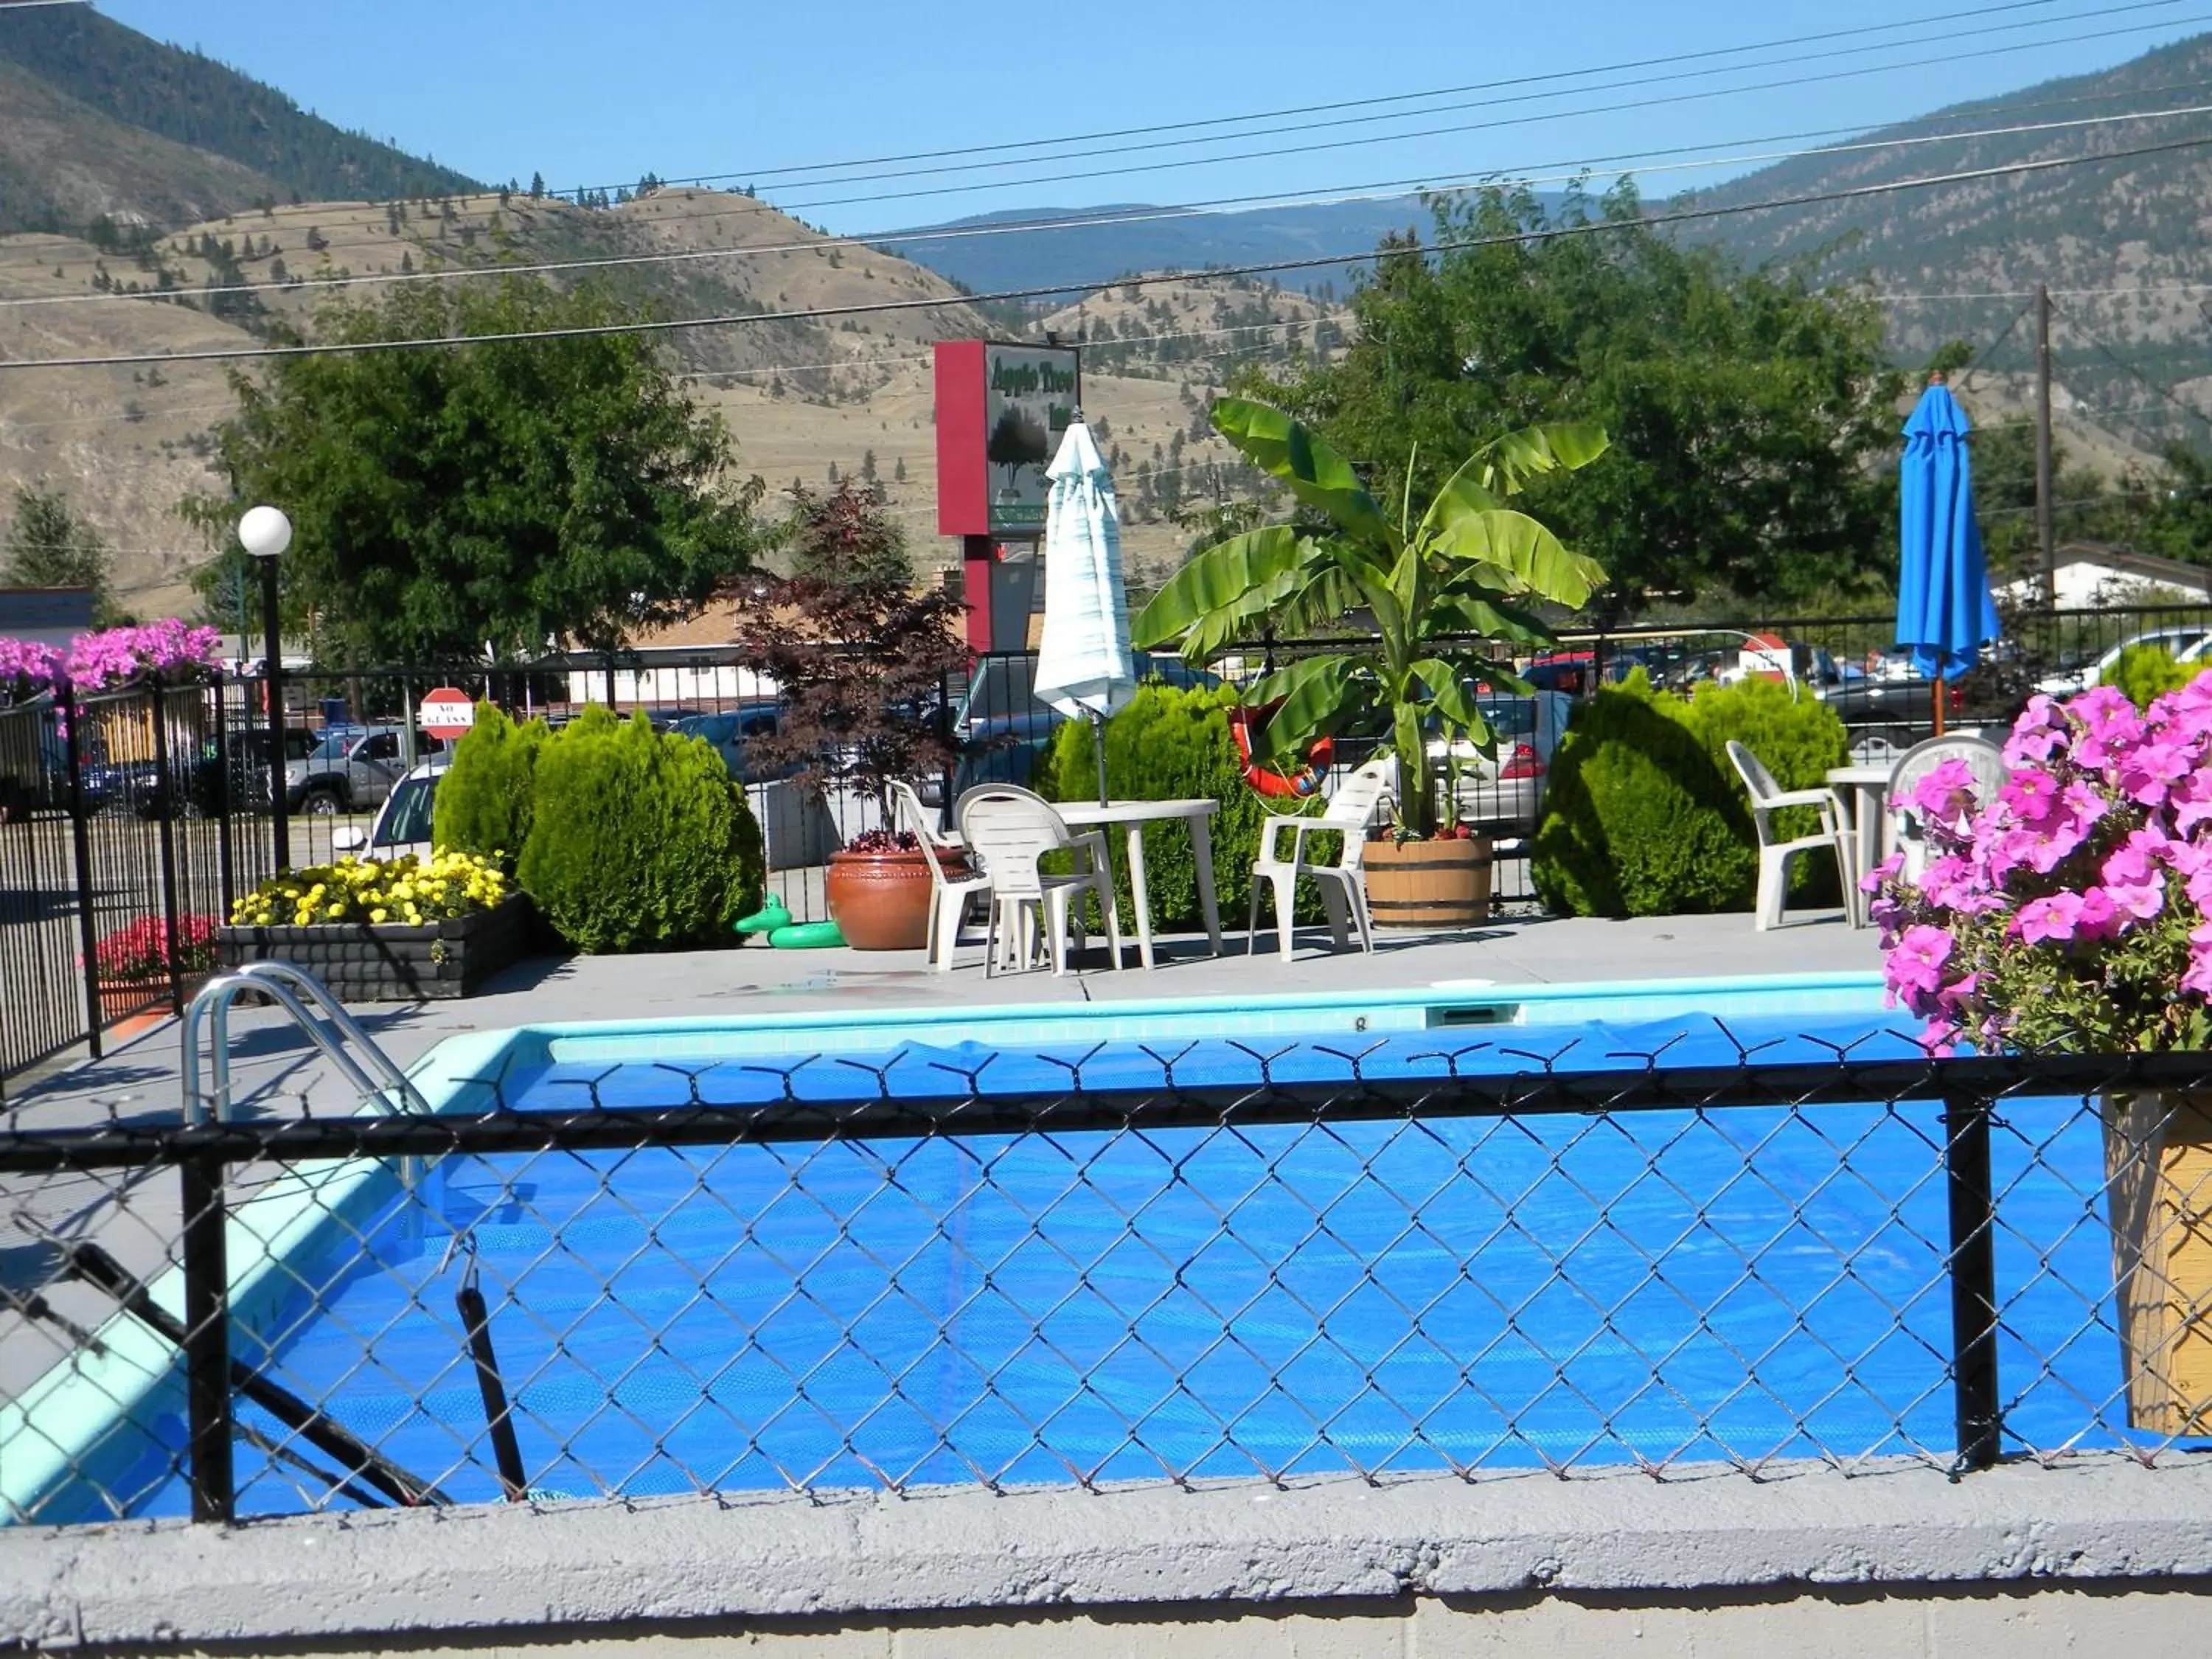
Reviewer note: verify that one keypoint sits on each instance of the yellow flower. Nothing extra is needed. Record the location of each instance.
(336, 911)
(379, 914)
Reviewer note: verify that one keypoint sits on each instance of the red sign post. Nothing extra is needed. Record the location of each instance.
(449, 713)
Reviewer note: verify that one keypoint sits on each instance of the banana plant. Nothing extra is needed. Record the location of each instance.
(1442, 584)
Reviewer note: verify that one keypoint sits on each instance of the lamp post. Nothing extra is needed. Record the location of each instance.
(264, 533)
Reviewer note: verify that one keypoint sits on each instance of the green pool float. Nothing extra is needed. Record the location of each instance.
(766, 920)
(807, 936)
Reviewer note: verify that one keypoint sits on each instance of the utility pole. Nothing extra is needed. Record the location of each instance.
(2043, 540)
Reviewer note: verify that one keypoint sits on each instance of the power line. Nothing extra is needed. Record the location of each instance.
(1523, 238)
(1466, 127)
(1948, 37)
(8, 426)
(1111, 219)
(1947, 56)
(756, 174)
(2097, 345)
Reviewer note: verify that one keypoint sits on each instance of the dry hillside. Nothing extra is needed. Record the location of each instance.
(800, 396)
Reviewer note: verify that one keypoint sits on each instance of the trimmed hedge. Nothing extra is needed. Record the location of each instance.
(1171, 744)
(2147, 673)
(639, 839)
(1645, 816)
(483, 803)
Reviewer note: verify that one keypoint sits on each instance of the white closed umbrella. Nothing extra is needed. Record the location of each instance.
(1084, 664)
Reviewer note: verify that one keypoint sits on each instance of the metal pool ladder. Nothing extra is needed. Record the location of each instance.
(342, 1042)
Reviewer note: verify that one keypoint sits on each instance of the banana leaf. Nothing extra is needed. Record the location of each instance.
(1316, 696)
(1317, 476)
(1506, 540)
(1228, 586)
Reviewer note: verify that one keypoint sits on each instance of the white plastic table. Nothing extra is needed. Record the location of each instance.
(1134, 815)
(1861, 792)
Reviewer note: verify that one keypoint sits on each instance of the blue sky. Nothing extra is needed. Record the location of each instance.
(592, 95)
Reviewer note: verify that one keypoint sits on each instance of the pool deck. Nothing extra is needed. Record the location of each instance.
(276, 1072)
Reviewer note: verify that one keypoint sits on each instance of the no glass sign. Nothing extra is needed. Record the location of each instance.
(449, 713)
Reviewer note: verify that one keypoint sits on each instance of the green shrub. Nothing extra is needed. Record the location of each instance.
(2146, 672)
(484, 799)
(639, 839)
(1172, 744)
(1644, 816)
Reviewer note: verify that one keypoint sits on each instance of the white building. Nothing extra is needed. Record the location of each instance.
(2099, 576)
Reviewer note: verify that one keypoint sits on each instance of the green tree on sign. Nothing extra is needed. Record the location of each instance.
(505, 493)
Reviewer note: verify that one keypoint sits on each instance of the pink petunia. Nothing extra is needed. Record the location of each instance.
(2050, 919)
(2149, 770)
(1914, 968)
(2137, 859)
(2030, 794)
(2198, 979)
(2135, 901)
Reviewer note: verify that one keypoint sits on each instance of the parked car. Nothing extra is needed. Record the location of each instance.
(1503, 794)
(1001, 726)
(402, 824)
(199, 776)
(2185, 643)
(730, 731)
(350, 772)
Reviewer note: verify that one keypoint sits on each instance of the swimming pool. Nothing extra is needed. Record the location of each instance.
(1193, 1302)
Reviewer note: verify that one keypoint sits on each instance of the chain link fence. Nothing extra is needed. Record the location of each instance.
(875, 1271)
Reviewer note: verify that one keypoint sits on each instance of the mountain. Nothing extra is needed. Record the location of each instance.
(98, 118)
(1088, 256)
(2118, 240)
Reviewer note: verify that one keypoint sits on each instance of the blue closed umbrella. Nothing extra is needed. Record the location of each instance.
(1944, 611)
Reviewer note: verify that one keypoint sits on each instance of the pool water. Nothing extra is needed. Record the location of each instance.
(1452, 1293)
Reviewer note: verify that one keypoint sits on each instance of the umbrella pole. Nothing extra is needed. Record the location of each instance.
(1099, 742)
(1939, 703)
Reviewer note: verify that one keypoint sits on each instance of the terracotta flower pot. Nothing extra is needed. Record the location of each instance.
(880, 901)
(119, 999)
(1428, 883)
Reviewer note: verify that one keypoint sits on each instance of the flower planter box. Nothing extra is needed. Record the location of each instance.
(1428, 883)
(379, 961)
(2158, 1160)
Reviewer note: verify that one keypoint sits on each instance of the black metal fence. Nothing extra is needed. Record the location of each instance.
(123, 819)
(807, 1274)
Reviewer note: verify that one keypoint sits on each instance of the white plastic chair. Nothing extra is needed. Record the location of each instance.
(1767, 798)
(948, 904)
(1008, 830)
(1352, 807)
(1984, 757)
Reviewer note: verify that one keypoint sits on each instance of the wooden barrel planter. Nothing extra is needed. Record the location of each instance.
(1428, 883)
(2158, 1164)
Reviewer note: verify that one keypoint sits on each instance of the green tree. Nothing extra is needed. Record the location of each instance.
(847, 535)
(536, 186)
(446, 498)
(50, 545)
(1746, 409)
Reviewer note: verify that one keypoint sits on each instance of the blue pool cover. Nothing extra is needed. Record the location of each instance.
(1744, 1283)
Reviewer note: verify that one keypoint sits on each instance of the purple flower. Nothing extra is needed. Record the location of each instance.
(1946, 794)
(2040, 732)
(1885, 872)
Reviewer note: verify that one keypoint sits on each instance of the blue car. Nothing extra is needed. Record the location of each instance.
(729, 732)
